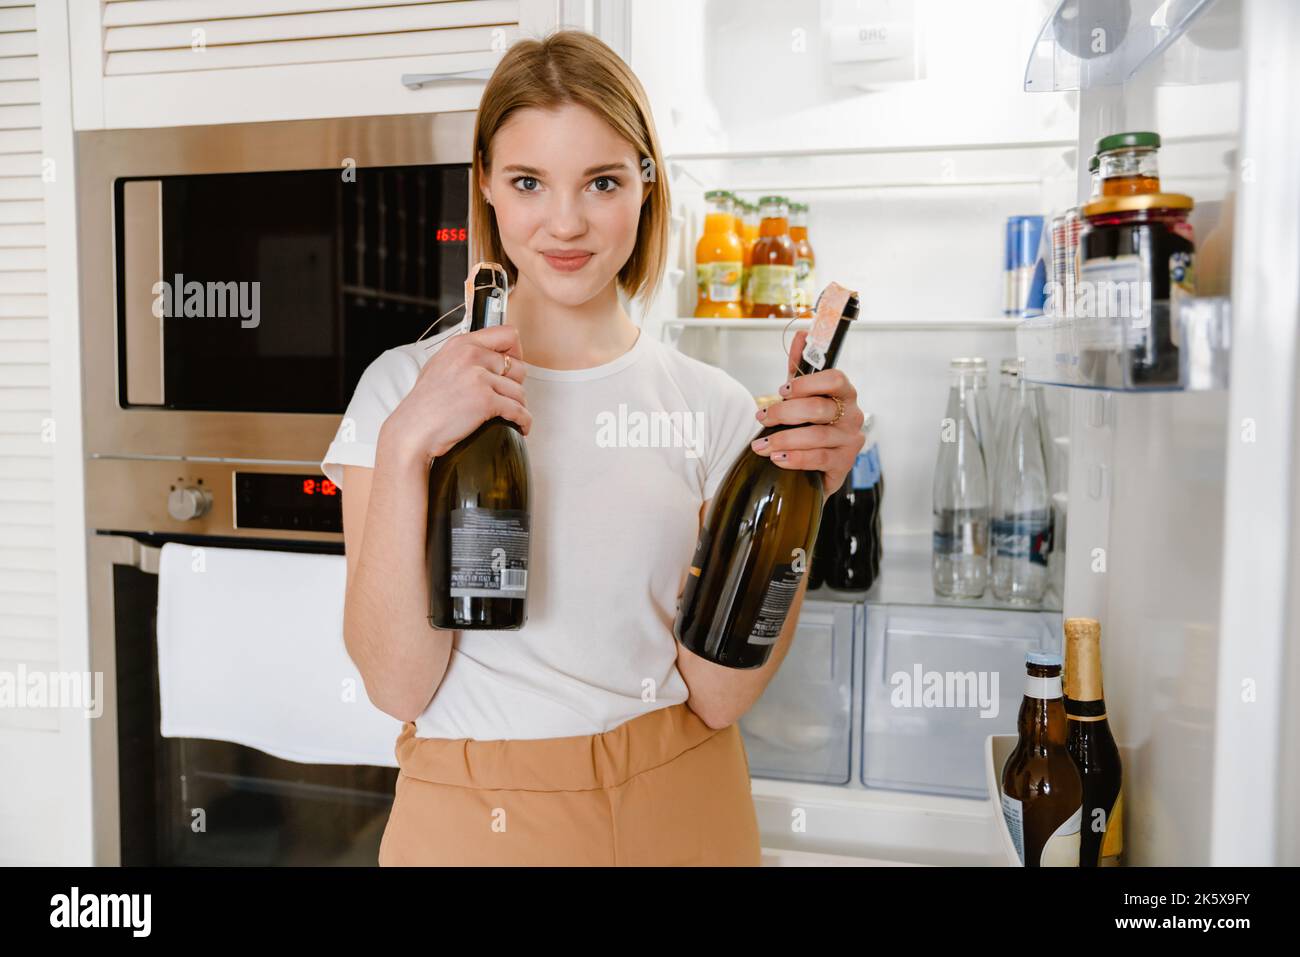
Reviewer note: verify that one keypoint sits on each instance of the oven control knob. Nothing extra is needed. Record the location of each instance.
(184, 504)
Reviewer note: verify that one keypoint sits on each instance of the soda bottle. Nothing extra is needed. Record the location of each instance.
(855, 519)
(823, 548)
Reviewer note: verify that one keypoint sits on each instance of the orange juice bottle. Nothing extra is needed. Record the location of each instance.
(718, 261)
(748, 236)
(805, 262)
(773, 267)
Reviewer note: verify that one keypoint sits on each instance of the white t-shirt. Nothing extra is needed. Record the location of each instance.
(622, 456)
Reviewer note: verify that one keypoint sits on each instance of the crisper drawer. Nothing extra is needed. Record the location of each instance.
(799, 729)
(936, 682)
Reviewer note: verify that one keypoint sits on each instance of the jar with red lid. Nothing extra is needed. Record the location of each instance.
(1136, 259)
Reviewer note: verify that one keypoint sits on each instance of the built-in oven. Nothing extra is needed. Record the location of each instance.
(235, 282)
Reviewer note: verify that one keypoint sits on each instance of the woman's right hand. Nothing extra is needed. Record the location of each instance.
(460, 388)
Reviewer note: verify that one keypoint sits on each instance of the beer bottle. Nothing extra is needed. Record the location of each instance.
(1042, 794)
(1092, 746)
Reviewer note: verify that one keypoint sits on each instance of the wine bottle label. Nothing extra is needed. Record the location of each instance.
(1013, 812)
(777, 597)
(1062, 848)
(1022, 537)
(830, 307)
(866, 469)
(489, 553)
(772, 285)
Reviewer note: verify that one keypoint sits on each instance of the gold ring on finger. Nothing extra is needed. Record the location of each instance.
(839, 410)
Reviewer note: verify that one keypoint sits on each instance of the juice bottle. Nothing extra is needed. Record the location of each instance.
(773, 268)
(718, 261)
(748, 236)
(805, 279)
(1128, 164)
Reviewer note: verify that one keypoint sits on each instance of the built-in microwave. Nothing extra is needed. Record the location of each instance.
(236, 280)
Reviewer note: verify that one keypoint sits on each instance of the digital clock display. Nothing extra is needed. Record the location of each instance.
(451, 234)
(287, 502)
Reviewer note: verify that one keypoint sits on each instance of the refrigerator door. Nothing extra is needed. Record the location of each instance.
(1256, 759)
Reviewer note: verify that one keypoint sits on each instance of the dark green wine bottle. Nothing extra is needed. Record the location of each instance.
(477, 542)
(755, 543)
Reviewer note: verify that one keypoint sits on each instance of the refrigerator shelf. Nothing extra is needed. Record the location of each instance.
(1109, 353)
(870, 325)
(1082, 46)
(905, 580)
(753, 173)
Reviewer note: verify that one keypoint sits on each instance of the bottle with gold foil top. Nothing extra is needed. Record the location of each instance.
(1042, 794)
(1092, 746)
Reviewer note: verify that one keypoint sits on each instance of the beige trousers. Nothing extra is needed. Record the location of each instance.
(661, 789)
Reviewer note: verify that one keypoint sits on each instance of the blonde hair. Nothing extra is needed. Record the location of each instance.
(571, 66)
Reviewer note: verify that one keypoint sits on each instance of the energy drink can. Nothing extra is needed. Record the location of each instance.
(1024, 272)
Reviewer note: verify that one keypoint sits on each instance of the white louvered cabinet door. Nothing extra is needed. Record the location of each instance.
(28, 606)
(146, 63)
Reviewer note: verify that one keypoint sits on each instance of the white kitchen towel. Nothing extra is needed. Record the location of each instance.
(250, 650)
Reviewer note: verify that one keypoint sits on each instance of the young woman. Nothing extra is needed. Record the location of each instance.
(589, 736)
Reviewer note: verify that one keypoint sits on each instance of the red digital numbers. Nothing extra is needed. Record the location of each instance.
(323, 486)
(328, 488)
(308, 486)
(451, 234)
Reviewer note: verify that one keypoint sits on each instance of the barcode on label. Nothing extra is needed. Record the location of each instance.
(514, 579)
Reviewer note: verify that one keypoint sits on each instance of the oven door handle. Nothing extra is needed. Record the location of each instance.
(127, 551)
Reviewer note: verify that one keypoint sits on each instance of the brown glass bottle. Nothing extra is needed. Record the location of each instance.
(477, 542)
(755, 543)
(1092, 746)
(1042, 794)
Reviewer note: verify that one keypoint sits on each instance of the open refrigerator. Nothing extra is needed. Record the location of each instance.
(913, 129)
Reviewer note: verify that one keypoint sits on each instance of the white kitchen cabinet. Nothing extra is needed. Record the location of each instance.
(149, 63)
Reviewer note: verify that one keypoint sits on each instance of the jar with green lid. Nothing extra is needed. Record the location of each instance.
(1136, 259)
(1128, 164)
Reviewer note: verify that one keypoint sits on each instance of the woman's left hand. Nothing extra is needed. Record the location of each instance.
(819, 445)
